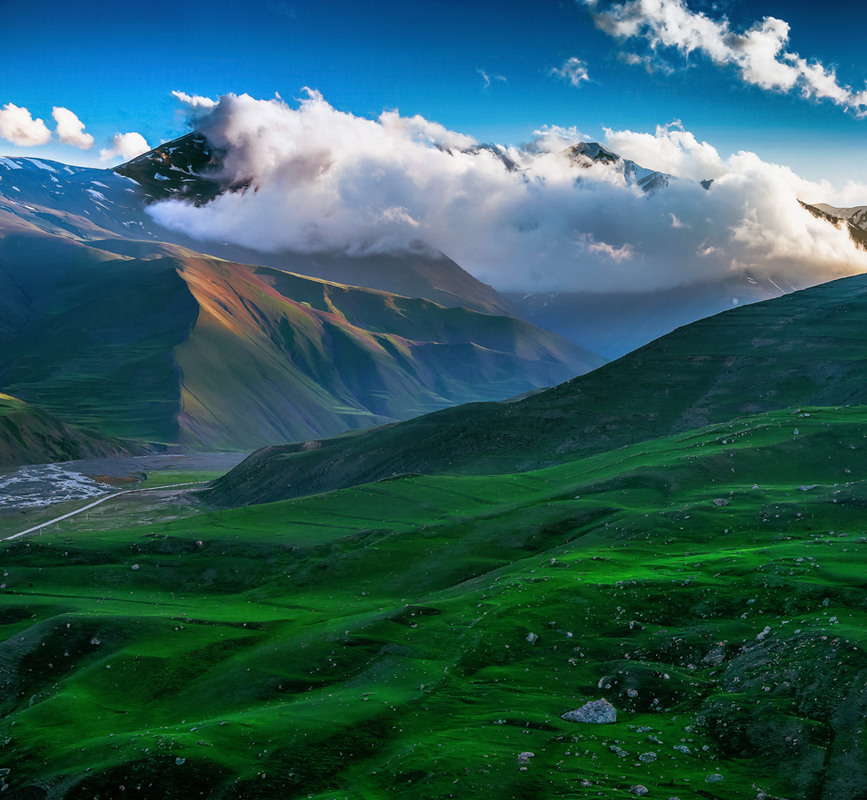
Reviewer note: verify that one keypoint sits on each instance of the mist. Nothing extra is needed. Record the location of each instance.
(524, 219)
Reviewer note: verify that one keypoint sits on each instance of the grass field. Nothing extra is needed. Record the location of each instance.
(411, 638)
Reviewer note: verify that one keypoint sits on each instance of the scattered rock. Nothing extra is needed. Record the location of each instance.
(682, 748)
(524, 759)
(647, 758)
(600, 712)
(715, 656)
(715, 778)
(532, 638)
(639, 789)
(720, 501)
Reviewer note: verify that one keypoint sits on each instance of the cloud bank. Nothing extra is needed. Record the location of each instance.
(520, 218)
(759, 53)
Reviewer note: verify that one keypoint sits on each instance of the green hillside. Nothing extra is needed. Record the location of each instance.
(805, 348)
(413, 638)
(29, 435)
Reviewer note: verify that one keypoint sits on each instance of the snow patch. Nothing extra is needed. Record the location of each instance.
(40, 164)
(9, 164)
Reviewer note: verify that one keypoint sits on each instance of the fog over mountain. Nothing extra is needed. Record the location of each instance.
(524, 219)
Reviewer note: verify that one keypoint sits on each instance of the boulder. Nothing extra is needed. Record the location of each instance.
(600, 712)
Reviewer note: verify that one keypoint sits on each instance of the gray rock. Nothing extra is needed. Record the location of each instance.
(639, 789)
(600, 712)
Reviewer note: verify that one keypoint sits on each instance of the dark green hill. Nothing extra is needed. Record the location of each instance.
(809, 347)
(29, 435)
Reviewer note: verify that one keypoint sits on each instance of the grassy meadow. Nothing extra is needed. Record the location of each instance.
(411, 638)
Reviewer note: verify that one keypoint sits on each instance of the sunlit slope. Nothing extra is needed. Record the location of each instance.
(29, 435)
(412, 638)
(153, 341)
(803, 348)
(275, 356)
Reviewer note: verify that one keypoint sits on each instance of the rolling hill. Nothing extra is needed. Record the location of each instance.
(806, 348)
(29, 435)
(421, 637)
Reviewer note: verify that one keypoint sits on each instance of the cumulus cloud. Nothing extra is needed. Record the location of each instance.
(759, 52)
(195, 101)
(125, 146)
(19, 127)
(574, 70)
(528, 218)
(670, 149)
(70, 129)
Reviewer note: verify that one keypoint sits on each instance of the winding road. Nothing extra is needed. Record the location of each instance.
(96, 503)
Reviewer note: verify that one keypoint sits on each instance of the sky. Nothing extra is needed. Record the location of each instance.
(362, 127)
(497, 71)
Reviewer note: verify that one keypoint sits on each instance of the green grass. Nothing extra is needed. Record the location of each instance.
(372, 642)
(170, 477)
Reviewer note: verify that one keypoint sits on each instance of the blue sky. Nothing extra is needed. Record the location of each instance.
(481, 68)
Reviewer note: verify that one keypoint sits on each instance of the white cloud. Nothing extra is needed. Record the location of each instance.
(195, 101)
(574, 70)
(125, 146)
(519, 218)
(18, 126)
(488, 79)
(671, 149)
(70, 129)
(759, 52)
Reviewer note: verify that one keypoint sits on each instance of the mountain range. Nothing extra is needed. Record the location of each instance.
(109, 324)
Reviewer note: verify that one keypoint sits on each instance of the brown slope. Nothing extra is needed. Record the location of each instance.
(275, 356)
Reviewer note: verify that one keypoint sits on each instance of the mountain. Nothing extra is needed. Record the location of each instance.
(805, 348)
(188, 168)
(585, 154)
(152, 341)
(616, 323)
(855, 218)
(29, 435)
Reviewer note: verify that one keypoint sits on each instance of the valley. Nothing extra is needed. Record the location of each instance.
(327, 525)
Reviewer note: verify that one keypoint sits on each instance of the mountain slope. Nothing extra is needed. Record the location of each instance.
(809, 347)
(152, 341)
(29, 435)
